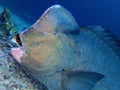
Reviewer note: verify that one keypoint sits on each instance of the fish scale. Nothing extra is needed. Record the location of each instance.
(107, 37)
(100, 56)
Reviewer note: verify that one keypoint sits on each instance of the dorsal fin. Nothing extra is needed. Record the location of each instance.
(57, 19)
(104, 34)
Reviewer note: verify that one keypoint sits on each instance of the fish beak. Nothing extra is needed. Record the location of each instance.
(17, 40)
(14, 40)
(17, 53)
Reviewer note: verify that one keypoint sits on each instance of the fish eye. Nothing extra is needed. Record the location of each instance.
(55, 32)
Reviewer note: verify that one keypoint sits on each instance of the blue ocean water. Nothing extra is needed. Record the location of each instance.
(87, 12)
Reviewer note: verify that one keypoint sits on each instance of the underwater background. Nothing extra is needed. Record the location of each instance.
(86, 12)
(24, 13)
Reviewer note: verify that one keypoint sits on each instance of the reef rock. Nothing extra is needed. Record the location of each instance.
(12, 75)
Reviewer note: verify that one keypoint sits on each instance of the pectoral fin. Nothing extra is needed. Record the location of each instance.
(80, 80)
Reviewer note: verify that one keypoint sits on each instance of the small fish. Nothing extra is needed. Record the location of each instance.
(50, 53)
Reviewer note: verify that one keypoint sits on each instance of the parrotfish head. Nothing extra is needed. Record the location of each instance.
(46, 47)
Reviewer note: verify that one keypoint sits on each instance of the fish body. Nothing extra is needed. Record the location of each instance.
(100, 52)
(65, 57)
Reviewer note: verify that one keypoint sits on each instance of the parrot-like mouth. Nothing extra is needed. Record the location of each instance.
(18, 40)
(17, 53)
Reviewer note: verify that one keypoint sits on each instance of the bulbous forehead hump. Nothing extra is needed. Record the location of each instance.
(57, 18)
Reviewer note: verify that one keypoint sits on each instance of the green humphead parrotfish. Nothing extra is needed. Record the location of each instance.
(64, 56)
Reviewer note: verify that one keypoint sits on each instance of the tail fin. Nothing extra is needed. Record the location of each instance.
(80, 80)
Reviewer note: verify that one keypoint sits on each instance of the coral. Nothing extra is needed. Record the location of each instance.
(12, 75)
(6, 24)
